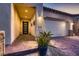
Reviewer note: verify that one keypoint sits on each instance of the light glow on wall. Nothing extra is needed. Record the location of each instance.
(12, 22)
(40, 21)
(71, 26)
(63, 24)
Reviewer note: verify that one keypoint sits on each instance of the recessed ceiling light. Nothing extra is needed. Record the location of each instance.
(25, 16)
(26, 10)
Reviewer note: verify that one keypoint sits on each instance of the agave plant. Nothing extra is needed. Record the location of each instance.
(44, 38)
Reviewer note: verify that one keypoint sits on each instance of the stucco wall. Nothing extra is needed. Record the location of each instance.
(32, 26)
(39, 19)
(5, 21)
(58, 16)
(16, 25)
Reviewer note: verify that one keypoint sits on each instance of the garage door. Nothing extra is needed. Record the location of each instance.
(58, 28)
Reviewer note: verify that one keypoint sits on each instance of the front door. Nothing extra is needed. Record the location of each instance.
(25, 27)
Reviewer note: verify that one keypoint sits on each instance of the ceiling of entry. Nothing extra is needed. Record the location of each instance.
(25, 11)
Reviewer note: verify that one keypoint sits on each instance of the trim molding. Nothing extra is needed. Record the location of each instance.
(54, 19)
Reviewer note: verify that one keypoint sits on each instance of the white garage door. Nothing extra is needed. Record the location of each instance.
(58, 28)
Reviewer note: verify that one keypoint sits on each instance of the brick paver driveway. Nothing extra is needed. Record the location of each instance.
(68, 45)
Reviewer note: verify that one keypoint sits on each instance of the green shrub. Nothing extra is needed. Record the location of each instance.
(44, 38)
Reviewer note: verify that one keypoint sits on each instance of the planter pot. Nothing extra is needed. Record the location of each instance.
(42, 50)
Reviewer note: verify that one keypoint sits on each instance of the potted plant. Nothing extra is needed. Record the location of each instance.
(43, 41)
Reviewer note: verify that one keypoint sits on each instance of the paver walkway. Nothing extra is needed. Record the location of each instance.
(22, 43)
(67, 46)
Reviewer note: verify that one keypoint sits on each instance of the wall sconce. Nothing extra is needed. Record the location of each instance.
(40, 21)
(71, 26)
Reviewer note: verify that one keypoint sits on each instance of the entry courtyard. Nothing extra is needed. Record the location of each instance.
(59, 46)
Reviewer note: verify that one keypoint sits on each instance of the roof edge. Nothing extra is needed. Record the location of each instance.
(57, 11)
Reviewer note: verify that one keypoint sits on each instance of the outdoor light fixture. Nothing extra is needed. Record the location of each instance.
(40, 19)
(71, 26)
(25, 16)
